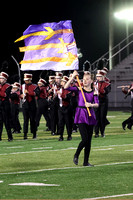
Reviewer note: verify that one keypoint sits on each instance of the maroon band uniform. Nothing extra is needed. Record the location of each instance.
(29, 106)
(5, 110)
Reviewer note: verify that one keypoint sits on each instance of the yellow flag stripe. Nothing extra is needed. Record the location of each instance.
(50, 33)
(37, 47)
(54, 59)
(69, 60)
(44, 46)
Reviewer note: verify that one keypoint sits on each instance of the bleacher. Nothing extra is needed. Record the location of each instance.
(121, 72)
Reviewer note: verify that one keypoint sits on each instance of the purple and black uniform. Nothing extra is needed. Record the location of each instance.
(85, 122)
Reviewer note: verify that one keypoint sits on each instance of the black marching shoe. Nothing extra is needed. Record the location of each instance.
(18, 131)
(61, 138)
(88, 165)
(34, 136)
(103, 135)
(96, 135)
(13, 131)
(123, 125)
(129, 126)
(10, 139)
(69, 138)
(75, 160)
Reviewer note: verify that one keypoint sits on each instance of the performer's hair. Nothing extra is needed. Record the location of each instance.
(92, 78)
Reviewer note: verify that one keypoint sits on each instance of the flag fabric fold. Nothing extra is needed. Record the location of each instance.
(49, 46)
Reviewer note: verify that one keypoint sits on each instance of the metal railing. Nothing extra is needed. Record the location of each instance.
(118, 52)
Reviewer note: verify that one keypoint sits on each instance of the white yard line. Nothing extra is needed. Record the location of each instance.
(115, 145)
(115, 127)
(25, 152)
(15, 147)
(69, 148)
(1, 181)
(102, 149)
(65, 168)
(129, 150)
(33, 184)
(111, 116)
(112, 196)
(43, 148)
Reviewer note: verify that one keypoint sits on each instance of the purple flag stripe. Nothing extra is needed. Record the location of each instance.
(49, 66)
(36, 40)
(54, 25)
(38, 54)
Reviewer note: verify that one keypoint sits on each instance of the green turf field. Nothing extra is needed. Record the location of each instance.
(49, 163)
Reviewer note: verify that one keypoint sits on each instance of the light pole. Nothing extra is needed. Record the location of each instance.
(111, 30)
(127, 16)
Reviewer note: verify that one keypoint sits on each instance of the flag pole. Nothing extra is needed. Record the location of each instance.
(83, 94)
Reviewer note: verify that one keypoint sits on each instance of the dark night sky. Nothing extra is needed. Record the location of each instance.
(89, 20)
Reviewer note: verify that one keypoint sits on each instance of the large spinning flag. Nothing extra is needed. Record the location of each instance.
(49, 46)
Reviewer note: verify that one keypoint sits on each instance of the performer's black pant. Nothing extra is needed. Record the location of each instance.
(86, 132)
(42, 110)
(101, 113)
(5, 115)
(54, 117)
(128, 122)
(29, 113)
(15, 117)
(65, 118)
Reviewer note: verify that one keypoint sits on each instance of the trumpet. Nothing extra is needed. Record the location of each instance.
(123, 86)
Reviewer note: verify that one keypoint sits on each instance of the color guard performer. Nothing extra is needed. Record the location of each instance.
(82, 118)
(29, 105)
(5, 109)
(103, 89)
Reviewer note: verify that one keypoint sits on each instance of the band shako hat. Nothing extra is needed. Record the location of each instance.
(65, 78)
(42, 81)
(100, 73)
(27, 77)
(51, 78)
(4, 75)
(16, 85)
(59, 75)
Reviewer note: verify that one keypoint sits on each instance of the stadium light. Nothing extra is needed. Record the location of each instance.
(126, 14)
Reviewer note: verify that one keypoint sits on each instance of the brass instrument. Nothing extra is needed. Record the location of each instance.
(123, 86)
(128, 86)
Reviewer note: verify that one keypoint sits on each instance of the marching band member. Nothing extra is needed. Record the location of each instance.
(54, 103)
(64, 110)
(73, 103)
(5, 109)
(103, 88)
(51, 81)
(42, 109)
(29, 105)
(15, 101)
(82, 118)
(105, 71)
(128, 92)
